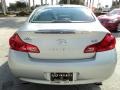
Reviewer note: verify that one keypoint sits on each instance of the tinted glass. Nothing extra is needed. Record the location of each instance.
(63, 13)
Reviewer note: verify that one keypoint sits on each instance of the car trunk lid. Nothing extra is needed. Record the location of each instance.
(62, 43)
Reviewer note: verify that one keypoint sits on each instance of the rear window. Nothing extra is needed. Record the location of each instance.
(72, 14)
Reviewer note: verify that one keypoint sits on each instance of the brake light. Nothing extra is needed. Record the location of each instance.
(17, 44)
(107, 43)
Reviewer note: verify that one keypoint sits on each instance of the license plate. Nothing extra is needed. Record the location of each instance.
(61, 76)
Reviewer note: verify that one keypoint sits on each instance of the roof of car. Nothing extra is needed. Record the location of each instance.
(116, 9)
(62, 5)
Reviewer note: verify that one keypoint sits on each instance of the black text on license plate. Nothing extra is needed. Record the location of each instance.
(61, 76)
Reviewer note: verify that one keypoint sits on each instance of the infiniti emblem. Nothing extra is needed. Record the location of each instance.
(61, 41)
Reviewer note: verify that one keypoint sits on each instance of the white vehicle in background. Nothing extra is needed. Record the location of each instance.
(62, 45)
(105, 9)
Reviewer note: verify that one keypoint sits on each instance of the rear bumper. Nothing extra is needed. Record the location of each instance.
(89, 81)
(85, 71)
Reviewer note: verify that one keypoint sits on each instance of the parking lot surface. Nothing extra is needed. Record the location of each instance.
(8, 25)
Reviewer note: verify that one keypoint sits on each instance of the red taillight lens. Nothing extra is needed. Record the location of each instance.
(17, 44)
(107, 43)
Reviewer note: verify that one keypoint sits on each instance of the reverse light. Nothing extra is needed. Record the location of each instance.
(17, 44)
(107, 43)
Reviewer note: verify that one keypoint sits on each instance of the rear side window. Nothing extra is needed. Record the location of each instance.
(73, 14)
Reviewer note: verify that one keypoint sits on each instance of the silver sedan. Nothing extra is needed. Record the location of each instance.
(62, 45)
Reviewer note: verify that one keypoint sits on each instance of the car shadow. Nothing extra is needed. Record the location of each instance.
(9, 82)
(31, 86)
(6, 78)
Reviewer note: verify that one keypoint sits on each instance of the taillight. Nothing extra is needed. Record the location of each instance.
(107, 43)
(17, 44)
